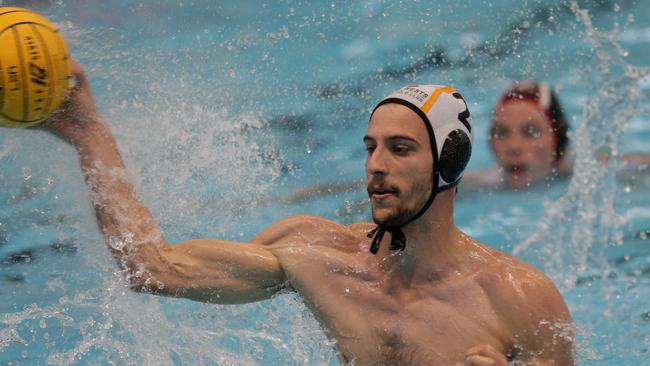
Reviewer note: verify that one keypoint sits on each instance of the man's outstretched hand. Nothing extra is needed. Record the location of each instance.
(78, 112)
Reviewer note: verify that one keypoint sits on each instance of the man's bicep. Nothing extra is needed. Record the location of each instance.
(214, 271)
(548, 338)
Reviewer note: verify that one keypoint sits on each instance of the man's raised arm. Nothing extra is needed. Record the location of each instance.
(202, 269)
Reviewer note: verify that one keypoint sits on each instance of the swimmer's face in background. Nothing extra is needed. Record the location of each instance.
(399, 164)
(523, 142)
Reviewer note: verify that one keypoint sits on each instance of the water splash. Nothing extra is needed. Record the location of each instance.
(589, 204)
(572, 239)
(200, 171)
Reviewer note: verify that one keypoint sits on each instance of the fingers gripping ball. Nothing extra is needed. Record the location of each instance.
(34, 68)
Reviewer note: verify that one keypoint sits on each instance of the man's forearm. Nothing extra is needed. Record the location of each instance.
(130, 230)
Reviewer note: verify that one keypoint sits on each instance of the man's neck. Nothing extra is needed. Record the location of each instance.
(432, 246)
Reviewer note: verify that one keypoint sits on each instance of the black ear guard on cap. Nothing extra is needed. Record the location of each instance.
(454, 156)
(457, 148)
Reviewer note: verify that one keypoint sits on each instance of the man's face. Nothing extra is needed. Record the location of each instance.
(523, 142)
(399, 164)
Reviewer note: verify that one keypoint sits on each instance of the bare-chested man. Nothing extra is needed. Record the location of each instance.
(410, 290)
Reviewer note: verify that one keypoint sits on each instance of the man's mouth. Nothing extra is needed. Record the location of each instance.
(516, 168)
(381, 193)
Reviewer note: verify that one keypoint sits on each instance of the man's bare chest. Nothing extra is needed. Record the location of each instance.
(428, 332)
(373, 326)
(426, 323)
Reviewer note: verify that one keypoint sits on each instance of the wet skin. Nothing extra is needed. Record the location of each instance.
(446, 299)
(523, 143)
(398, 165)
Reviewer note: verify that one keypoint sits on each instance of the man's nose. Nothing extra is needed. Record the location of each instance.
(515, 144)
(376, 163)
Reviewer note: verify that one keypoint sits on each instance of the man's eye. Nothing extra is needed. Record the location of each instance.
(532, 131)
(370, 149)
(400, 149)
(499, 133)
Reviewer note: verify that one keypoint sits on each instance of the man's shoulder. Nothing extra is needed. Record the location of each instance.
(308, 229)
(522, 294)
(528, 306)
(321, 226)
(522, 281)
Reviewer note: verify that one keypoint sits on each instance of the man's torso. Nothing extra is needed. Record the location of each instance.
(375, 321)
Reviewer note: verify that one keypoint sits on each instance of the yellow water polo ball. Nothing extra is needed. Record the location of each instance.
(34, 67)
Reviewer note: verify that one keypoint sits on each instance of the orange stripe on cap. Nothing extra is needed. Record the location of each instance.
(432, 99)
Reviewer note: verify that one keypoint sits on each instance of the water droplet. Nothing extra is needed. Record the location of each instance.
(26, 173)
(116, 243)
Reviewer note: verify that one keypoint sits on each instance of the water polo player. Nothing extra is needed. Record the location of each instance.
(528, 136)
(409, 289)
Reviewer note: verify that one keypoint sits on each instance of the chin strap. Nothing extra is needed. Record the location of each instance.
(398, 239)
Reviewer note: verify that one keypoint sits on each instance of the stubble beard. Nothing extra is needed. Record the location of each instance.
(401, 215)
(395, 219)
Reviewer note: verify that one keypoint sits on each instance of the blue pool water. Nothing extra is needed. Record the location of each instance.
(220, 108)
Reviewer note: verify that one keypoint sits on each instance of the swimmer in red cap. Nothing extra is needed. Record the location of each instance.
(410, 289)
(528, 136)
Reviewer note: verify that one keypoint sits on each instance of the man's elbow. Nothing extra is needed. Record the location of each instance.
(144, 267)
(145, 280)
(147, 272)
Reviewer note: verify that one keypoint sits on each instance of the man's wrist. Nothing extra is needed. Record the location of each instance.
(90, 133)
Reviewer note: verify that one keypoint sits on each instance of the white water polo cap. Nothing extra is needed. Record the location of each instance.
(447, 119)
